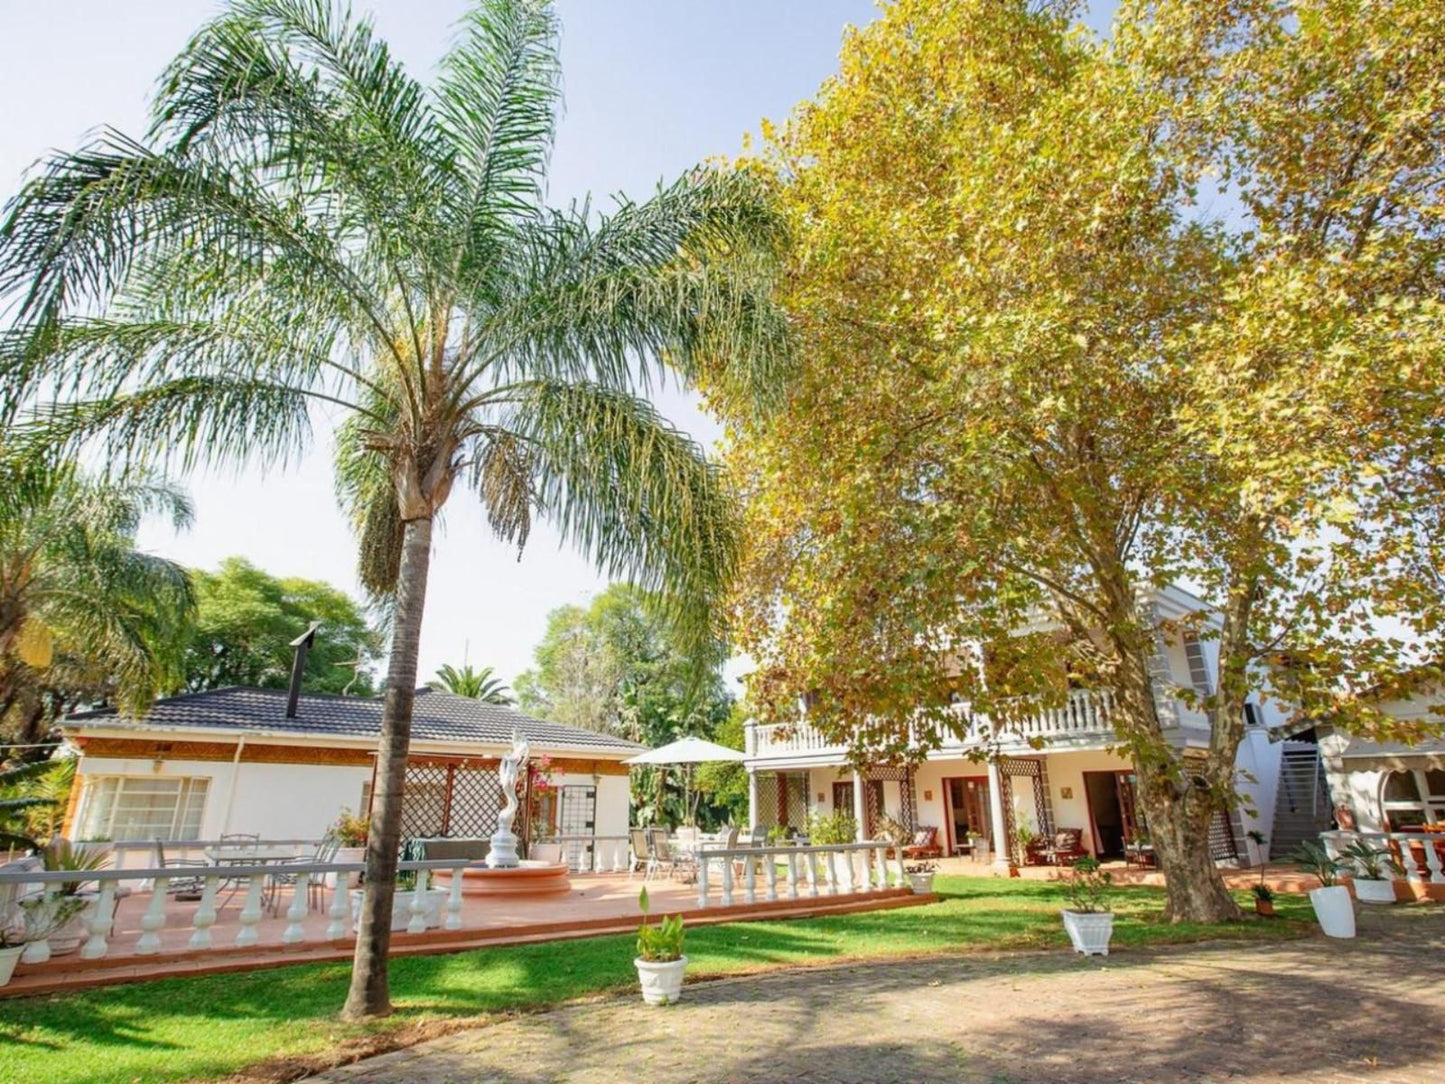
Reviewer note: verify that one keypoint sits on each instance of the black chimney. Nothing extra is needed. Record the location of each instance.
(302, 644)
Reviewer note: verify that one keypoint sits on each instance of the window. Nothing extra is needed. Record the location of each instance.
(1413, 797)
(143, 807)
(1198, 665)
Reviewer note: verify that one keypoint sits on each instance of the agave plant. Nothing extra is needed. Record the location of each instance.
(1311, 857)
(1372, 863)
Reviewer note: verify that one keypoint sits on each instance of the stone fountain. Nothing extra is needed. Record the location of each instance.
(504, 874)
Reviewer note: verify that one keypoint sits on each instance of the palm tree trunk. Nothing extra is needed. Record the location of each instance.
(370, 994)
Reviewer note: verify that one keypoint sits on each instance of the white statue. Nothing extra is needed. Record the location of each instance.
(503, 854)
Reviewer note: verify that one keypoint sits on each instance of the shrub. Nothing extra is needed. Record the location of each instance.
(834, 827)
(351, 829)
(1087, 886)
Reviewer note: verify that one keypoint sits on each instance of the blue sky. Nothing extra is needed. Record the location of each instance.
(651, 88)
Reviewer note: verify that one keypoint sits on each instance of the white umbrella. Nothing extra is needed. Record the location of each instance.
(686, 751)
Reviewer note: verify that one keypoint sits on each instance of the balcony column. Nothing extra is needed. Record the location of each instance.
(1001, 845)
(752, 798)
(860, 806)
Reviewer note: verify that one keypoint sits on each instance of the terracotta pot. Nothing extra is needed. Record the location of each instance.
(1264, 907)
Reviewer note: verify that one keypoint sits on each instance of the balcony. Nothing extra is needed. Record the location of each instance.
(1082, 722)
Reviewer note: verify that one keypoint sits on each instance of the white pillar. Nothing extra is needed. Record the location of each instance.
(752, 798)
(860, 806)
(1001, 845)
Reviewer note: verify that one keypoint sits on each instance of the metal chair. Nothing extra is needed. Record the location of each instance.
(187, 886)
(664, 856)
(324, 852)
(242, 840)
(641, 854)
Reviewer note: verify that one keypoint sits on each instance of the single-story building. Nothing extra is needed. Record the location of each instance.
(258, 761)
(1388, 786)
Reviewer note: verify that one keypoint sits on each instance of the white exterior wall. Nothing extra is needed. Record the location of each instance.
(277, 801)
(614, 796)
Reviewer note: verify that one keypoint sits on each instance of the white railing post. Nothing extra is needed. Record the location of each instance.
(205, 916)
(727, 881)
(810, 865)
(750, 879)
(154, 919)
(95, 947)
(250, 914)
(880, 868)
(340, 909)
(703, 862)
(792, 876)
(772, 875)
(902, 873)
(1407, 859)
(1432, 859)
(830, 869)
(454, 898)
(417, 922)
(296, 913)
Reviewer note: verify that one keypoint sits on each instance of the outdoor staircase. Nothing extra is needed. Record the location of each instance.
(1302, 807)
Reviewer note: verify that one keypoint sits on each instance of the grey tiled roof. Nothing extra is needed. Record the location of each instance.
(437, 717)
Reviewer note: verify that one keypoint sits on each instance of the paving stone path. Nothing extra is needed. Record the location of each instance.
(1313, 1011)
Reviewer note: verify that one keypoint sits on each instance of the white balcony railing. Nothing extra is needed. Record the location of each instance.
(1417, 852)
(1086, 714)
(792, 871)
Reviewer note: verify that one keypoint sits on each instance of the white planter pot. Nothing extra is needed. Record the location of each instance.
(350, 854)
(401, 908)
(1335, 910)
(1368, 890)
(9, 957)
(47, 939)
(921, 883)
(661, 982)
(1089, 932)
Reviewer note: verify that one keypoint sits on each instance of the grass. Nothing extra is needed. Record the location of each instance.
(214, 1026)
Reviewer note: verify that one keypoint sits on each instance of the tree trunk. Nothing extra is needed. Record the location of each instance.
(1179, 830)
(370, 994)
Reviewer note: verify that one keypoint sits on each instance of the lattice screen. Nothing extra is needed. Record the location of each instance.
(453, 800)
(1223, 844)
(1034, 770)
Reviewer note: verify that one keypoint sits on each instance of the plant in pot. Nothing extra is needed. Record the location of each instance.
(1333, 907)
(1374, 871)
(1088, 920)
(12, 944)
(920, 876)
(410, 883)
(1263, 899)
(659, 961)
(57, 920)
(350, 832)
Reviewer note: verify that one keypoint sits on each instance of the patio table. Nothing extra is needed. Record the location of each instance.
(252, 856)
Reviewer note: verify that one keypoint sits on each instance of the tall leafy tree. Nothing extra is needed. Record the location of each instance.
(84, 616)
(1045, 375)
(306, 223)
(247, 618)
(473, 684)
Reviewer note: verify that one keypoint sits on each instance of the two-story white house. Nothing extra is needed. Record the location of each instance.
(1075, 779)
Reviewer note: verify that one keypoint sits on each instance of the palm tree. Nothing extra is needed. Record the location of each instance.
(473, 684)
(80, 606)
(305, 224)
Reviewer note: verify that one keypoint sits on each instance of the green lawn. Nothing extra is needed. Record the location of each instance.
(203, 1028)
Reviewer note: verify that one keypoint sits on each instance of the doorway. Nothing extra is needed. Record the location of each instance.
(1112, 811)
(967, 810)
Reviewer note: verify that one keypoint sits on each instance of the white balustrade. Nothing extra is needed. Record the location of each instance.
(100, 921)
(831, 870)
(250, 914)
(205, 916)
(454, 900)
(154, 919)
(339, 911)
(417, 923)
(1400, 845)
(296, 914)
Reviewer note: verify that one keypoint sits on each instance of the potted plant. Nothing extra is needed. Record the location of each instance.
(1331, 901)
(920, 876)
(409, 883)
(1263, 899)
(350, 831)
(58, 919)
(12, 944)
(660, 962)
(1087, 919)
(1375, 869)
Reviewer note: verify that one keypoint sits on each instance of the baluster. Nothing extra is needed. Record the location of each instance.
(205, 916)
(454, 899)
(772, 874)
(727, 881)
(1407, 857)
(619, 855)
(250, 914)
(154, 919)
(880, 868)
(296, 913)
(340, 909)
(1432, 859)
(811, 865)
(99, 925)
(750, 878)
(901, 872)
(830, 863)
(703, 862)
(417, 922)
(849, 873)
(792, 876)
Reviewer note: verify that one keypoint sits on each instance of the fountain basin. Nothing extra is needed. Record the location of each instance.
(527, 879)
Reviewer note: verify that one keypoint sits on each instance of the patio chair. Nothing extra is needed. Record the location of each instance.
(325, 851)
(1067, 846)
(641, 854)
(243, 840)
(924, 845)
(188, 886)
(1138, 851)
(674, 862)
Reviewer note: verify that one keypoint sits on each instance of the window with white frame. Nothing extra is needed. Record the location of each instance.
(142, 807)
(1198, 664)
(1413, 797)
